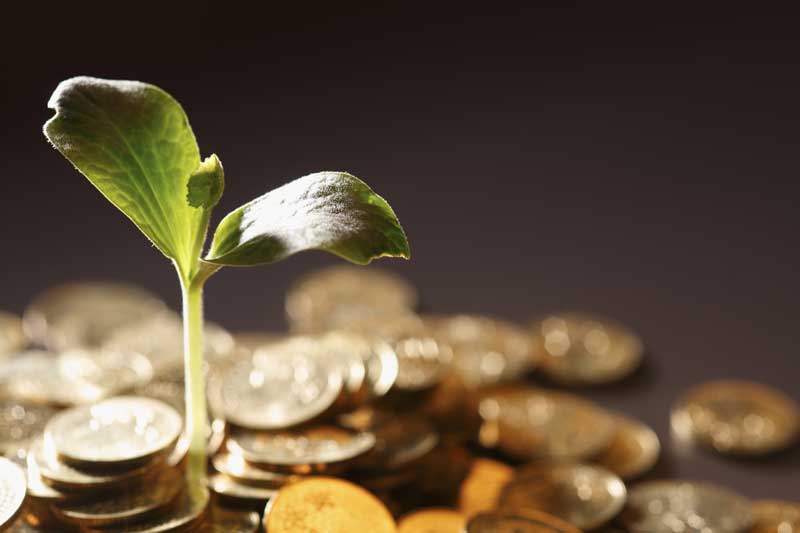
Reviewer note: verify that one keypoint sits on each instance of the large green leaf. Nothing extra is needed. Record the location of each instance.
(331, 211)
(134, 143)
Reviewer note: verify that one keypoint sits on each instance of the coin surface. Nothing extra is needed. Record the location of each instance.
(84, 314)
(221, 520)
(12, 338)
(326, 504)
(531, 424)
(12, 491)
(504, 522)
(343, 295)
(321, 448)
(234, 467)
(583, 495)
(586, 349)
(281, 386)
(633, 451)
(226, 487)
(20, 424)
(480, 490)
(436, 520)
(737, 417)
(775, 516)
(669, 506)
(399, 440)
(126, 430)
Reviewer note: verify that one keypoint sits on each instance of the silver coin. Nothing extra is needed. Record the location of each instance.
(283, 385)
(504, 522)
(125, 430)
(230, 521)
(85, 314)
(400, 440)
(12, 338)
(20, 424)
(236, 468)
(248, 342)
(669, 506)
(228, 488)
(12, 491)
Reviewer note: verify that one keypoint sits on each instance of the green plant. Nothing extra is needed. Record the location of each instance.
(134, 143)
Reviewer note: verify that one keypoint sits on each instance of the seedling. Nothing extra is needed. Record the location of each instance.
(134, 143)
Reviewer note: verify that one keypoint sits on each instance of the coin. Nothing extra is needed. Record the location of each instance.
(369, 368)
(326, 504)
(586, 349)
(432, 521)
(321, 448)
(12, 491)
(20, 424)
(234, 467)
(669, 506)
(127, 506)
(229, 489)
(480, 490)
(399, 440)
(504, 522)
(283, 385)
(531, 424)
(583, 495)
(12, 338)
(228, 521)
(633, 451)
(122, 431)
(85, 314)
(343, 295)
(774, 516)
(737, 417)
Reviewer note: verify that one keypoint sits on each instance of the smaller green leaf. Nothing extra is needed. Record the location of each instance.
(331, 211)
(206, 183)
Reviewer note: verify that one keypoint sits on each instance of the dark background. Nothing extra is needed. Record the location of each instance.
(637, 162)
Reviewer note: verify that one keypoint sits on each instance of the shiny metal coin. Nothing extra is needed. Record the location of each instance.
(439, 520)
(41, 491)
(737, 417)
(227, 521)
(400, 440)
(774, 516)
(504, 522)
(486, 351)
(353, 352)
(480, 490)
(12, 339)
(669, 506)
(586, 349)
(633, 451)
(229, 489)
(122, 431)
(340, 296)
(83, 314)
(326, 504)
(532, 424)
(284, 385)
(237, 469)
(20, 424)
(12, 491)
(315, 449)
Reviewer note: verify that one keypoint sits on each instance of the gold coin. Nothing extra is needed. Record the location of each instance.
(774, 516)
(534, 424)
(669, 506)
(737, 417)
(12, 339)
(432, 521)
(326, 504)
(504, 522)
(586, 349)
(234, 467)
(12, 491)
(481, 489)
(633, 451)
(583, 495)
(229, 521)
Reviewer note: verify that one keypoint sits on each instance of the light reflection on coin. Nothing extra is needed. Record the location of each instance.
(20, 424)
(432, 520)
(228, 521)
(669, 506)
(480, 490)
(125, 430)
(236, 468)
(505, 522)
(12, 491)
(399, 440)
(326, 504)
(12, 338)
(774, 516)
(585, 496)
(586, 349)
(737, 417)
(633, 451)
(229, 488)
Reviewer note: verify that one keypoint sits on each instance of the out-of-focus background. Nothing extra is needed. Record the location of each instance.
(639, 163)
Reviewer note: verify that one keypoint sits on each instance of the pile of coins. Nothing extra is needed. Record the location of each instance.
(367, 416)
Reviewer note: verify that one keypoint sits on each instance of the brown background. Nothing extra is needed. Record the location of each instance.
(637, 163)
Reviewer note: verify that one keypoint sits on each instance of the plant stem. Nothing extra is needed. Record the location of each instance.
(196, 418)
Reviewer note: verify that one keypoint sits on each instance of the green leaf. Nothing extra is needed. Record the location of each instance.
(331, 211)
(134, 143)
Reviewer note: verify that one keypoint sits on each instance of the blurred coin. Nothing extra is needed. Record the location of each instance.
(82, 314)
(12, 491)
(774, 516)
(633, 451)
(41, 491)
(531, 424)
(12, 339)
(400, 439)
(285, 384)
(367, 373)
(234, 467)
(122, 431)
(20, 424)
(586, 349)
(737, 417)
(343, 295)
(247, 342)
(689, 507)
(326, 504)
(238, 493)
(434, 520)
(481, 489)
(221, 520)
(583, 495)
(322, 448)
(126, 507)
(504, 522)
